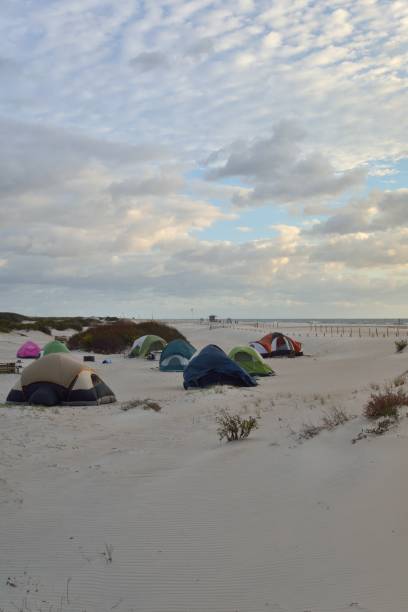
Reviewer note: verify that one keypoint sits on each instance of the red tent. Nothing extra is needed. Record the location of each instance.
(277, 345)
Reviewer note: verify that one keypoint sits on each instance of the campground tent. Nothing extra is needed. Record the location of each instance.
(29, 350)
(277, 345)
(60, 379)
(251, 361)
(55, 346)
(259, 348)
(213, 367)
(176, 355)
(147, 344)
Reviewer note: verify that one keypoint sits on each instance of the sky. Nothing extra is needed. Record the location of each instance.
(176, 158)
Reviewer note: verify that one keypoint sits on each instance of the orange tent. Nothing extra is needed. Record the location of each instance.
(277, 345)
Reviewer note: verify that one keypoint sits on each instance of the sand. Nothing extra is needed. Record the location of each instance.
(194, 525)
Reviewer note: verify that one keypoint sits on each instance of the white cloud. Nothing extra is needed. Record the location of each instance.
(380, 211)
(149, 60)
(282, 169)
(106, 110)
(272, 39)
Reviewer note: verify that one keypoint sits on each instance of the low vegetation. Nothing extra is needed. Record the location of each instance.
(233, 426)
(330, 421)
(145, 404)
(401, 345)
(381, 426)
(108, 553)
(119, 336)
(383, 408)
(385, 403)
(400, 380)
(11, 321)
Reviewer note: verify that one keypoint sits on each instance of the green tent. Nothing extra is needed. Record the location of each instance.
(55, 346)
(251, 361)
(147, 344)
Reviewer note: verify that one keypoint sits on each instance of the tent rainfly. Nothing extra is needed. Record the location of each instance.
(55, 346)
(58, 378)
(29, 350)
(277, 345)
(145, 345)
(249, 359)
(176, 355)
(211, 366)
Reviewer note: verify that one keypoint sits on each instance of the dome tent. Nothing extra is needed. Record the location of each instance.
(259, 348)
(251, 361)
(277, 345)
(146, 344)
(176, 355)
(60, 379)
(212, 367)
(29, 350)
(55, 346)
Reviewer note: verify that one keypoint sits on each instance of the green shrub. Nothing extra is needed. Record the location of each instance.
(44, 329)
(119, 337)
(233, 426)
(10, 321)
(12, 317)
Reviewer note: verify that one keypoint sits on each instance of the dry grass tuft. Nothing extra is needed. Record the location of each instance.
(330, 421)
(399, 381)
(308, 431)
(382, 425)
(401, 345)
(108, 553)
(146, 404)
(385, 404)
(233, 426)
(334, 418)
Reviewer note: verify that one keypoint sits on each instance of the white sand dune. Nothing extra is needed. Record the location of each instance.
(267, 524)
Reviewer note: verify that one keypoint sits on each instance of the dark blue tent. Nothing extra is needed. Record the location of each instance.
(212, 367)
(176, 355)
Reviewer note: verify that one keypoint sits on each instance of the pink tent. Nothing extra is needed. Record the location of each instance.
(29, 350)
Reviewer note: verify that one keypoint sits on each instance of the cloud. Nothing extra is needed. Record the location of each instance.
(380, 211)
(106, 110)
(365, 251)
(39, 156)
(272, 39)
(284, 171)
(7, 67)
(162, 184)
(201, 47)
(149, 60)
(74, 198)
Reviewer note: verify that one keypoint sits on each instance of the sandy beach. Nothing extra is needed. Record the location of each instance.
(104, 509)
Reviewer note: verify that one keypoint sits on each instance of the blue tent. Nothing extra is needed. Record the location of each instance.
(176, 355)
(212, 367)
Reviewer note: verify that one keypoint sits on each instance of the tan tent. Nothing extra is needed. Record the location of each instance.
(58, 378)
